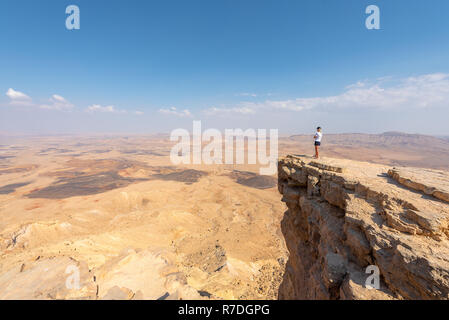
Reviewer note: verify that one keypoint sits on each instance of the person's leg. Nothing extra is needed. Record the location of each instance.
(316, 151)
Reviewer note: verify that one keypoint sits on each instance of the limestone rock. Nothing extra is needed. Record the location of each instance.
(143, 275)
(353, 217)
(430, 182)
(48, 278)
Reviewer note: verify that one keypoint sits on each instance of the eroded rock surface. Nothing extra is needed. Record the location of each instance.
(430, 182)
(345, 218)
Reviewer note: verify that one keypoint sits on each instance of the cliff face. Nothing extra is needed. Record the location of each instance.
(346, 220)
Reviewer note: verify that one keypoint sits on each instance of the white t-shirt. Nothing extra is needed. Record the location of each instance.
(318, 136)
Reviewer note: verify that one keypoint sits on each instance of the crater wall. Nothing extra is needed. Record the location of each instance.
(347, 219)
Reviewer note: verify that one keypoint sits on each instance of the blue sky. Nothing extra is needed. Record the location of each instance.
(153, 66)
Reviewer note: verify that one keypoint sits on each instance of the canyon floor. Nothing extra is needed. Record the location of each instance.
(115, 213)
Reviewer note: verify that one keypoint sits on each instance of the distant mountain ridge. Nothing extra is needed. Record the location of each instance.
(392, 148)
(384, 139)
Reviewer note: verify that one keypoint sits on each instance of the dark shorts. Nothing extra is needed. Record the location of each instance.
(317, 143)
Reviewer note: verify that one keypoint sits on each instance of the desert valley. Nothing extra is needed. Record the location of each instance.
(115, 211)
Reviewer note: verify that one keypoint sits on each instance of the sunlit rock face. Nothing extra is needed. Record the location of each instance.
(347, 218)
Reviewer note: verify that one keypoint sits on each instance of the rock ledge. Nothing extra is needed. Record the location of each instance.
(347, 218)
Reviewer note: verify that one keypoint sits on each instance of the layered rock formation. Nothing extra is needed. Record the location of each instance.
(348, 220)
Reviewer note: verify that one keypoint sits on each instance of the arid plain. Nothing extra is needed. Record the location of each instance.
(135, 226)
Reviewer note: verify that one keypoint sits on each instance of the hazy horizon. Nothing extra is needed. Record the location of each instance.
(281, 134)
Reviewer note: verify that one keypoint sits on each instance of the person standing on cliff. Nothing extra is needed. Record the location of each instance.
(317, 137)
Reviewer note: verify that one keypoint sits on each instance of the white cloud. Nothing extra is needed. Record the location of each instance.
(249, 108)
(247, 94)
(138, 113)
(358, 84)
(104, 109)
(243, 108)
(18, 98)
(17, 95)
(57, 103)
(58, 98)
(425, 91)
(176, 112)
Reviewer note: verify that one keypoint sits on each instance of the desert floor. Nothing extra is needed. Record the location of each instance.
(134, 225)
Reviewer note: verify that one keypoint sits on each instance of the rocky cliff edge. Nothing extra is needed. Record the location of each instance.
(357, 230)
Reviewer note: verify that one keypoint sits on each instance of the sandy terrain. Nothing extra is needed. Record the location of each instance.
(137, 227)
(134, 224)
